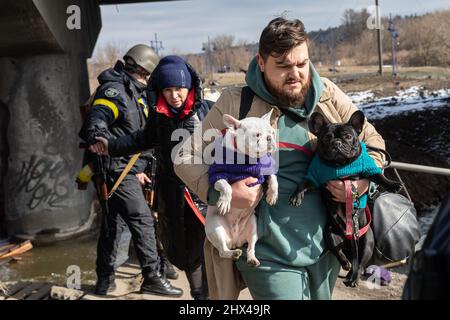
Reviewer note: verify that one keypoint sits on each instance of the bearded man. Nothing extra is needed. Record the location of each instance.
(290, 247)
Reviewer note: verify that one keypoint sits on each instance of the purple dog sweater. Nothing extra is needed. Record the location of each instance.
(231, 171)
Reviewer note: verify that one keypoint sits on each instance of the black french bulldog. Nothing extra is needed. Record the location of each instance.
(341, 156)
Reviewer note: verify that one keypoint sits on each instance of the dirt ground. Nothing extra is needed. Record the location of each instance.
(370, 291)
(129, 280)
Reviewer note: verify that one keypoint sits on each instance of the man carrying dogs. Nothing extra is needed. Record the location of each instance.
(290, 247)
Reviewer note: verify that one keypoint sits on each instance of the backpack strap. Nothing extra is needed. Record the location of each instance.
(292, 115)
(247, 95)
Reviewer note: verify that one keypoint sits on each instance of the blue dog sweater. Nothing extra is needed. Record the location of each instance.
(319, 173)
(231, 170)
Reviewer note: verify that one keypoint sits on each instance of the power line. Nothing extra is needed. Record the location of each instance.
(156, 45)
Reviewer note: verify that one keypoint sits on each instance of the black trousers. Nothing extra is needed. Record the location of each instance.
(127, 204)
(182, 234)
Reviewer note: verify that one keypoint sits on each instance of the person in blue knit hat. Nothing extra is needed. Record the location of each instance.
(174, 81)
(175, 92)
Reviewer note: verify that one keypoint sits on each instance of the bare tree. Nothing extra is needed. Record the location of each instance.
(223, 41)
(105, 57)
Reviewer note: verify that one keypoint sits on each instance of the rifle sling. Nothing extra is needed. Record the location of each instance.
(124, 173)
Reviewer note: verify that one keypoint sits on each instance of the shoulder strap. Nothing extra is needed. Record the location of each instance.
(292, 115)
(247, 95)
(124, 173)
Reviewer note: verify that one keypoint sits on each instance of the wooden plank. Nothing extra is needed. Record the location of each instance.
(41, 293)
(5, 261)
(3, 291)
(25, 291)
(17, 287)
(19, 249)
(131, 265)
(6, 247)
(128, 271)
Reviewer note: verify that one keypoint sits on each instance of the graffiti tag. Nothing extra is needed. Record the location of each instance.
(42, 179)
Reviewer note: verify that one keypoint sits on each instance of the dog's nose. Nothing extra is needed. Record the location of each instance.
(337, 143)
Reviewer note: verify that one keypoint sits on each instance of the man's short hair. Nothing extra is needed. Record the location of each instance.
(280, 36)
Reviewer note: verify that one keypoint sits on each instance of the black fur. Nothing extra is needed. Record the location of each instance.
(338, 145)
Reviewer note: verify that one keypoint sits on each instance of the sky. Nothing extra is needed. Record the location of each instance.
(183, 26)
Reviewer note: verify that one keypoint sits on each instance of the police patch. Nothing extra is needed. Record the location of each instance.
(111, 92)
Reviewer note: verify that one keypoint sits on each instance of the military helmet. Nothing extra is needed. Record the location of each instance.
(144, 56)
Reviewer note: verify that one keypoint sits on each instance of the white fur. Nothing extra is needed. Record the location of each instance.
(226, 227)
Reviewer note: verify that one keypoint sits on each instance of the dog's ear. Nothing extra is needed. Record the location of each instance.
(231, 122)
(357, 121)
(267, 115)
(316, 122)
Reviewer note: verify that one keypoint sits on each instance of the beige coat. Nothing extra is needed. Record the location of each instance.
(335, 106)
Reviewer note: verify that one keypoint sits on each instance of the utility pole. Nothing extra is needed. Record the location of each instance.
(208, 48)
(394, 37)
(380, 49)
(156, 45)
(332, 44)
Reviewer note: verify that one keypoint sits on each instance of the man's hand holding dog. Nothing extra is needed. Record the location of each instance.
(244, 196)
(337, 188)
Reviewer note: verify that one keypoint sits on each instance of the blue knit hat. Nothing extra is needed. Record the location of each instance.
(173, 72)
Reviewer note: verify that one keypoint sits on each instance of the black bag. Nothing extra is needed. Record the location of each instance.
(395, 228)
(429, 276)
(394, 223)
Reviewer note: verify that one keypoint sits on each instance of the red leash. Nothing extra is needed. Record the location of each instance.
(349, 232)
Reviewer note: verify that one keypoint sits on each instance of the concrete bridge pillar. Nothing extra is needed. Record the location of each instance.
(43, 81)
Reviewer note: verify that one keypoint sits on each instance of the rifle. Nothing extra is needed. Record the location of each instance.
(100, 178)
(149, 188)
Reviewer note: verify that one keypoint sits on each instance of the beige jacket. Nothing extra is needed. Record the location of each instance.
(335, 105)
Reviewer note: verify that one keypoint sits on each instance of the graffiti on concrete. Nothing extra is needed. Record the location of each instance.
(42, 180)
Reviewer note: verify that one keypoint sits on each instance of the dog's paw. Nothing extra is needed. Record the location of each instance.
(351, 283)
(272, 197)
(253, 262)
(223, 206)
(224, 202)
(296, 199)
(347, 266)
(236, 254)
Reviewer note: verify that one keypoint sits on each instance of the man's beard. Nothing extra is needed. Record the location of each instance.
(288, 98)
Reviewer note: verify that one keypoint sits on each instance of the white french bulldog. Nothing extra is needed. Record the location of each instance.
(228, 228)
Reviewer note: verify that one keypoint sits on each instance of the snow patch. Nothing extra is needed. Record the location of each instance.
(408, 100)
